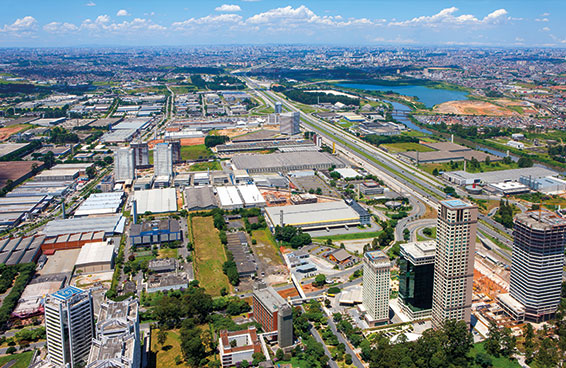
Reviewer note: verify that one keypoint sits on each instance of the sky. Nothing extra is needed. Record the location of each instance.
(64, 23)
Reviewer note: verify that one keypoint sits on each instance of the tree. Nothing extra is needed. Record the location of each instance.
(525, 162)
(493, 342)
(319, 280)
(161, 336)
(91, 172)
(279, 354)
(191, 343)
(483, 360)
(508, 342)
(435, 172)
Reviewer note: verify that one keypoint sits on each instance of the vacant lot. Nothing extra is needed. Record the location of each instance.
(266, 248)
(197, 152)
(6, 132)
(203, 166)
(167, 253)
(404, 147)
(19, 360)
(209, 256)
(165, 355)
(473, 107)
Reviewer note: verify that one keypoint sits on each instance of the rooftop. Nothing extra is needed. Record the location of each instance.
(268, 297)
(541, 220)
(377, 256)
(67, 293)
(456, 204)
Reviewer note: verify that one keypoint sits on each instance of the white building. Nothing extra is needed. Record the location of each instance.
(515, 144)
(69, 326)
(163, 160)
(289, 123)
(454, 262)
(376, 287)
(124, 168)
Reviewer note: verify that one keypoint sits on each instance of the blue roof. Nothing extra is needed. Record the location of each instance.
(375, 255)
(456, 203)
(67, 293)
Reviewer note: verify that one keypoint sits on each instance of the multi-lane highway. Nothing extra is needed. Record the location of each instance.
(398, 175)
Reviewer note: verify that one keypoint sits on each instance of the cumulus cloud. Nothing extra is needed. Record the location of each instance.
(448, 16)
(21, 27)
(90, 3)
(103, 23)
(228, 8)
(545, 29)
(122, 13)
(294, 16)
(60, 28)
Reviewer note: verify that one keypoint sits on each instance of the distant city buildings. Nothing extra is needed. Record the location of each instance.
(289, 123)
(454, 262)
(376, 287)
(416, 277)
(537, 263)
(124, 166)
(69, 325)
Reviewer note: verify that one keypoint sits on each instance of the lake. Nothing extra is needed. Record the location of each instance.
(428, 96)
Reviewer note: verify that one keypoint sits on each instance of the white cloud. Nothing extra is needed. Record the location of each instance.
(103, 24)
(230, 8)
(541, 19)
(122, 13)
(448, 16)
(90, 3)
(21, 27)
(545, 29)
(60, 28)
(210, 20)
(289, 16)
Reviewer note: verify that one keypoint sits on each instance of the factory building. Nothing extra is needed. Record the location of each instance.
(101, 204)
(313, 215)
(155, 232)
(156, 200)
(95, 257)
(285, 162)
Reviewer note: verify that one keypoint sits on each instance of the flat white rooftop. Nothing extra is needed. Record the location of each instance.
(156, 200)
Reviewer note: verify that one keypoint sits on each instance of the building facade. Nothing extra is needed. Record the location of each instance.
(124, 168)
(141, 154)
(69, 326)
(454, 262)
(416, 276)
(273, 313)
(237, 346)
(289, 123)
(376, 287)
(537, 263)
(163, 160)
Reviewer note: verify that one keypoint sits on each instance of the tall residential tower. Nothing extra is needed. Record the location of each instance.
(454, 262)
(124, 166)
(376, 287)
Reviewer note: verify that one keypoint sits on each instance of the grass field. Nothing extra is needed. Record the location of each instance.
(351, 236)
(494, 166)
(167, 253)
(165, 356)
(404, 147)
(203, 166)
(266, 247)
(209, 256)
(196, 152)
(22, 359)
(500, 362)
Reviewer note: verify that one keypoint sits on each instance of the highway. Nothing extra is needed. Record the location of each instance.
(396, 174)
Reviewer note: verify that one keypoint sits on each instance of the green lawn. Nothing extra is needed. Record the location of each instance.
(22, 359)
(195, 152)
(209, 255)
(165, 355)
(494, 166)
(499, 362)
(203, 166)
(403, 147)
(350, 236)
(167, 253)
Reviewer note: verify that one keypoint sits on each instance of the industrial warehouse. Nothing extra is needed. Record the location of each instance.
(284, 162)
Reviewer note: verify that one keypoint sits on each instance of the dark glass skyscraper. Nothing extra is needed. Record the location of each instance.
(416, 277)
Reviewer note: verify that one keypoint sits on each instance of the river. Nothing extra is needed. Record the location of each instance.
(428, 96)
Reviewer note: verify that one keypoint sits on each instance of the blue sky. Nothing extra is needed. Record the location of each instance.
(346, 22)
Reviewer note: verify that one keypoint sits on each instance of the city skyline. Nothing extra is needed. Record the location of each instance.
(176, 23)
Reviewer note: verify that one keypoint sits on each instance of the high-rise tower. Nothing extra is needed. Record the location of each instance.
(376, 287)
(454, 262)
(124, 166)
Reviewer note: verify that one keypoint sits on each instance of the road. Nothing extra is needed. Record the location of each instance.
(399, 176)
(355, 360)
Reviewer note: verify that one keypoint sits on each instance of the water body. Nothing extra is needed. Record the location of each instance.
(404, 119)
(428, 96)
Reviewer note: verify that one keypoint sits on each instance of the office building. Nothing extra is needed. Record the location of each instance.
(289, 123)
(163, 160)
(537, 263)
(416, 276)
(124, 167)
(141, 154)
(273, 313)
(69, 326)
(454, 262)
(175, 149)
(376, 286)
(278, 107)
(237, 346)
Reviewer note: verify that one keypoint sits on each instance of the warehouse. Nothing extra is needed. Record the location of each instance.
(465, 178)
(134, 124)
(229, 197)
(101, 204)
(95, 257)
(251, 195)
(119, 136)
(547, 185)
(200, 199)
(20, 250)
(155, 232)
(314, 215)
(287, 161)
(70, 241)
(156, 200)
(63, 172)
(109, 225)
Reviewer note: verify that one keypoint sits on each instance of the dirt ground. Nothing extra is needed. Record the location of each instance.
(473, 107)
(6, 132)
(88, 280)
(290, 292)
(184, 142)
(61, 261)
